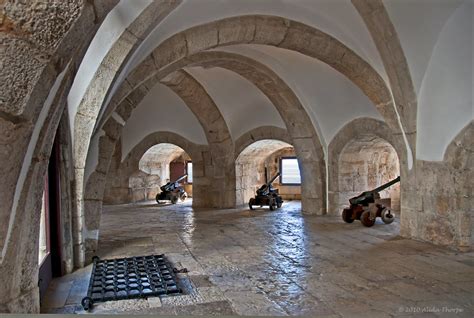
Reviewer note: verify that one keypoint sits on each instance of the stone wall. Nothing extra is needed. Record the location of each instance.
(42, 47)
(441, 209)
(249, 177)
(364, 164)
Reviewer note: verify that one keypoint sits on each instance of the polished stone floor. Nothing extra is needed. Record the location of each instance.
(262, 262)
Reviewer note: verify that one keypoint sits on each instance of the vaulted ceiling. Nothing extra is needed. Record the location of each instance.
(330, 98)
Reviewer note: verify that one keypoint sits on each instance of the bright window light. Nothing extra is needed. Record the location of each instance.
(189, 169)
(290, 171)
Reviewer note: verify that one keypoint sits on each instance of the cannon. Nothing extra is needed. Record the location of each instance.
(365, 208)
(172, 191)
(267, 195)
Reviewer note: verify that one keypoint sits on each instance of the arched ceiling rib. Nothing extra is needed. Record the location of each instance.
(121, 16)
(161, 109)
(159, 154)
(162, 152)
(261, 149)
(242, 105)
(330, 98)
(337, 18)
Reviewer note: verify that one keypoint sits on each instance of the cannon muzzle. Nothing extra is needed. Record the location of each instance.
(273, 179)
(386, 185)
(180, 178)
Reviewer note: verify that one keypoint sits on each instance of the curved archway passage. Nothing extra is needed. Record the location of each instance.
(365, 163)
(300, 128)
(112, 165)
(260, 133)
(267, 30)
(258, 163)
(352, 131)
(142, 180)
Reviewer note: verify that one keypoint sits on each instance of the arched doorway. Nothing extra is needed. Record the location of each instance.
(260, 161)
(160, 164)
(365, 163)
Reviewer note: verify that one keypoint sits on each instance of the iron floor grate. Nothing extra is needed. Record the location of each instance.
(129, 278)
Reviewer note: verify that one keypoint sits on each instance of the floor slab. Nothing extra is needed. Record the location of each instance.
(262, 262)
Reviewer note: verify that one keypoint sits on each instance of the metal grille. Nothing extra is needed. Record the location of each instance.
(127, 278)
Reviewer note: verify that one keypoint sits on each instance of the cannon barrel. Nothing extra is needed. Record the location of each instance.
(369, 196)
(264, 189)
(180, 178)
(386, 185)
(273, 179)
(172, 185)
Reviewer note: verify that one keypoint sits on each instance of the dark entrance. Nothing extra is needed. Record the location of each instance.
(50, 239)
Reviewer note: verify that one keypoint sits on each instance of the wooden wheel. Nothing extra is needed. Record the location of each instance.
(387, 216)
(174, 199)
(366, 219)
(347, 216)
(272, 204)
(251, 203)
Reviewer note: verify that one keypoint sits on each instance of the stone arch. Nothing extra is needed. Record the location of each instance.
(221, 146)
(37, 71)
(113, 64)
(95, 187)
(354, 130)
(266, 30)
(195, 151)
(219, 168)
(41, 59)
(257, 29)
(252, 163)
(208, 115)
(19, 263)
(385, 37)
(299, 126)
(88, 109)
(260, 133)
(159, 137)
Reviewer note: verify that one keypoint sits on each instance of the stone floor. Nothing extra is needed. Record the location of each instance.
(259, 262)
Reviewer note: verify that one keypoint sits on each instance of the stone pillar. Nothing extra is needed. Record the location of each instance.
(95, 186)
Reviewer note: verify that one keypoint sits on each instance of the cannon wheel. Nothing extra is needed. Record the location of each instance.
(157, 198)
(251, 203)
(347, 216)
(279, 204)
(387, 216)
(87, 303)
(272, 204)
(366, 220)
(174, 199)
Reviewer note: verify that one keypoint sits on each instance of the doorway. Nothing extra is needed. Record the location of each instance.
(49, 258)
